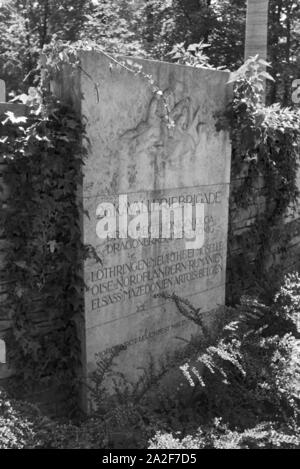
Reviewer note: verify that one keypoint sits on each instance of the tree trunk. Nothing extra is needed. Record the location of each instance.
(257, 28)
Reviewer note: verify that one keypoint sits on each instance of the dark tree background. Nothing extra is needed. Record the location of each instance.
(148, 28)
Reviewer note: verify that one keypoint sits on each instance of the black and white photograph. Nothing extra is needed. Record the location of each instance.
(149, 229)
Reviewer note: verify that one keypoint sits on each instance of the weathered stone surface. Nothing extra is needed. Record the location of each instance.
(134, 152)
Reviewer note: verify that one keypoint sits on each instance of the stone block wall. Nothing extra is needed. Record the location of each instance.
(240, 280)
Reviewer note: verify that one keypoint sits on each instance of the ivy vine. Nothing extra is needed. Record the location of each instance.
(265, 162)
(45, 153)
(41, 221)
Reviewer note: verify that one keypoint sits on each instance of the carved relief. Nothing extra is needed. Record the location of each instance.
(169, 134)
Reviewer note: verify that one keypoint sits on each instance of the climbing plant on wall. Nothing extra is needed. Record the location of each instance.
(45, 151)
(41, 221)
(265, 161)
(44, 154)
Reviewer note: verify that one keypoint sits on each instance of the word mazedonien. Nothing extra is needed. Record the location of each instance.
(179, 220)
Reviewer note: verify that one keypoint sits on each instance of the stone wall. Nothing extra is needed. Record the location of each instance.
(240, 280)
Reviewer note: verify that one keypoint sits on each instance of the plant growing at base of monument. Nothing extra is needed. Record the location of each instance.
(41, 221)
(247, 373)
(127, 407)
(251, 372)
(265, 142)
(218, 435)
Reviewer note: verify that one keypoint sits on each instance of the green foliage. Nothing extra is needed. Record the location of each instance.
(163, 25)
(257, 398)
(219, 436)
(41, 221)
(288, 298)
(26, 26)
(283, 48)
(23, 426)
(251, 372)
(249, 376)
(247, 372)
(44, 152)
(265, 142)
(16, 423)
(192, 55)
(18, 50)
(227, 33)
(115, 27)
(149, 28)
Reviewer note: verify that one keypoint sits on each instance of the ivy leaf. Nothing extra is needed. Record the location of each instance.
(264, 63)
(267, 76)
(14, 119)
(52, 245)
(21, 97)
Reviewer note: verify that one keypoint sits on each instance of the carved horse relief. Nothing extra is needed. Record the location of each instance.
(168, 136)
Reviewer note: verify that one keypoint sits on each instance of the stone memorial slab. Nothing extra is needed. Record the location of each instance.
(149, 150)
